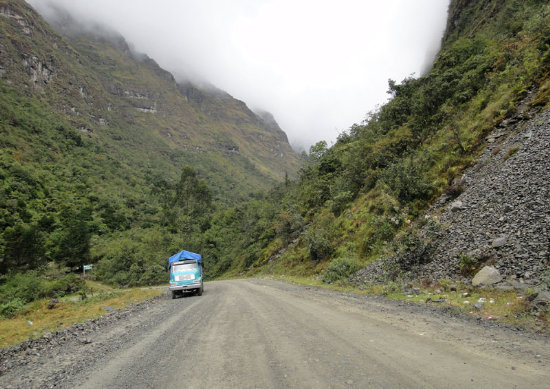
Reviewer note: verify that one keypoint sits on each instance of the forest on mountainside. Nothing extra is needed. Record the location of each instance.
(107, 160)
(350, 203)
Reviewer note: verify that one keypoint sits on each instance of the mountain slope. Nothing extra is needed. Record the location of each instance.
(499, 218)
(360, 200)
(106, 157)
(126, 102)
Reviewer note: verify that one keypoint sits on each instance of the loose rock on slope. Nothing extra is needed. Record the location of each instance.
(502, 217)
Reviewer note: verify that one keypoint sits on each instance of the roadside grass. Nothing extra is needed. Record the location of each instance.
(505, 306)
(510, 307)
(95, 287)
(68, 311)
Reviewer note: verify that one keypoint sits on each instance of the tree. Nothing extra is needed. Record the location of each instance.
(73, 238)
(192, 194)
(317, 151)
(24, 248)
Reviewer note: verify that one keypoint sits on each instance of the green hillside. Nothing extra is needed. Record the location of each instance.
(106, 159)
(358, 200)
(124, 102)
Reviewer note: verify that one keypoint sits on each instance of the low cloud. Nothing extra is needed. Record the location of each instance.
(318, 67)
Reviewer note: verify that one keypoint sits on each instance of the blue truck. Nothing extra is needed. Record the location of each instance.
(186, 273)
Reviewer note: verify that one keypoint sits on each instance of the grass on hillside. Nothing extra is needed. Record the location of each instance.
(68, 311)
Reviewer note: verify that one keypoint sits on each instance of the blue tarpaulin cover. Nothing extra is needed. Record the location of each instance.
(182, 255)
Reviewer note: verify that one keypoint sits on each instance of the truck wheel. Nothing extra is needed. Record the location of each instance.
(173, 294)
(199, 291)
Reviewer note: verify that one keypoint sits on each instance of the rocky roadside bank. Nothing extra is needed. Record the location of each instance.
(499, 217)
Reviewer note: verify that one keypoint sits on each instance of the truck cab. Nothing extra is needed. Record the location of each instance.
(186, 274)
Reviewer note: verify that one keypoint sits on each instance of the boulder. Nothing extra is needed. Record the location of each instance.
(487, 276)
(53, 302)
(541, 302)
(457, 206)
(500, 241)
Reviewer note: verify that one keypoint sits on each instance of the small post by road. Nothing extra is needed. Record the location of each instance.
(86, 267)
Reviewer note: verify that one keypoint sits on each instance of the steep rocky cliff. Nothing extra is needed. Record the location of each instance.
(503, 216)
(497, 212)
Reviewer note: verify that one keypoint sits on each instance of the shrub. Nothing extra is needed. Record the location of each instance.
(340, 201)
(122, 278)
(320, 237)
(71, 283)
(466, 264)
(24, 248)
(510, 152)
(12, 307)
(154, 274)
(25, 286)
(454, 190)
(377, 231)
(318, 244)
(340, 268)
(413, 250)
(390, 287)
(407, 182)
(30, 286)
(288, 225)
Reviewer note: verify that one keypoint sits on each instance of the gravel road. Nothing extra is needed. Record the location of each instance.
(270, 334)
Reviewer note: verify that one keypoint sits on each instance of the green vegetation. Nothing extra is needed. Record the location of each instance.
(510, 152)
(361, 196)
(504, 306)
(105, 160)
(339, 269)
(125, 195)
(16, 290)
(36, 318)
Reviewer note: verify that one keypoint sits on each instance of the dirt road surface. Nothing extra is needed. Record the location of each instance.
(270, 334)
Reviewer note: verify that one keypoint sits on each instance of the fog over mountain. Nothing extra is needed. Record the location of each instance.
(318, 67)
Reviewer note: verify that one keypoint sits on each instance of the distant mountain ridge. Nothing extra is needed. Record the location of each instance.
(95, 81)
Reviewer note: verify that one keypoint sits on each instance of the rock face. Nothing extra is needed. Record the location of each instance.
(487, 276)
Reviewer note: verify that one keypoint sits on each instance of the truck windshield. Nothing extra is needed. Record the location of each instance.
(184, 267)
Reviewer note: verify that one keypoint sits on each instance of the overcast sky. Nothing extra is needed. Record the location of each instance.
(318, 66)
